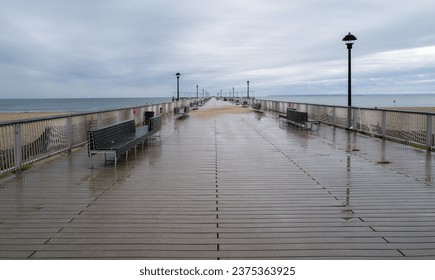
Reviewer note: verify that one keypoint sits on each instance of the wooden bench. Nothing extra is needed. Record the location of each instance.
(299, 119)
(181, 112)
(119, 138)
(257, 107)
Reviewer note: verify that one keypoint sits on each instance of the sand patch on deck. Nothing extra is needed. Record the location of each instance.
(214, 111)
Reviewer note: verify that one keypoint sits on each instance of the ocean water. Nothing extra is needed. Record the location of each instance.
(75, 105)
(364, 101)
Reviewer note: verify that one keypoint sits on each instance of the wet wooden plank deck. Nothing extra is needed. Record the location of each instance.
(227, 184)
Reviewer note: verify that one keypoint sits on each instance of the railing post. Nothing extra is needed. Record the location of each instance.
(359, 122)
(18, 154)
(384, 124)
(318, 113)
(333, 116)
(429, 137)
(349, 118)
(99, 120)
(69, 133)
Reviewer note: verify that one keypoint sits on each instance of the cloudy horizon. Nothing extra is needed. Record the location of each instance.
(133, 48)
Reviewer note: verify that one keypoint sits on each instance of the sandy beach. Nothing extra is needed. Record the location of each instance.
(5, 117)
(211, 112)
(418, 109)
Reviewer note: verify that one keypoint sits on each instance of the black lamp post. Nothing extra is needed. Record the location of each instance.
(178, 85)
(349, 40)
(247, 82)
(197, 94)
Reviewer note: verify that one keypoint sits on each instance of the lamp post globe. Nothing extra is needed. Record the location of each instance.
(349, 40)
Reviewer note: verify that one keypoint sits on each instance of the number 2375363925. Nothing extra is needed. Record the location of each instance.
(263, 271)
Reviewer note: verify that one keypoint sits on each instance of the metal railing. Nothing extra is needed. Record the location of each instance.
(26, 141)
(407, 127)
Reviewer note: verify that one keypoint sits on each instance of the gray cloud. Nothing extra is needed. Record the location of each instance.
(134, 48)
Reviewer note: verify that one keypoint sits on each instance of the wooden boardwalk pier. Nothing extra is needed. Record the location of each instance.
(227, 183)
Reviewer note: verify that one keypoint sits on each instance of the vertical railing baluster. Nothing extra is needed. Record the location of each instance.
(17, 148)
(69, 132)
(384, 124)
(429, 137)
(334, 121)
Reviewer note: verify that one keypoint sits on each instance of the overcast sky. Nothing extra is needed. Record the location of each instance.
(133, 48)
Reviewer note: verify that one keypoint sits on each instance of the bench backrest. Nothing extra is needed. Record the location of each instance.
(104, 135)
(256, 106)
(181, 110)
(296, 116)
(155, 124)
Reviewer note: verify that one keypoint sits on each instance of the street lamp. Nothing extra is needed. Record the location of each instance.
(197, 92)
(349, 40)
(247, 82)
(178, 85)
